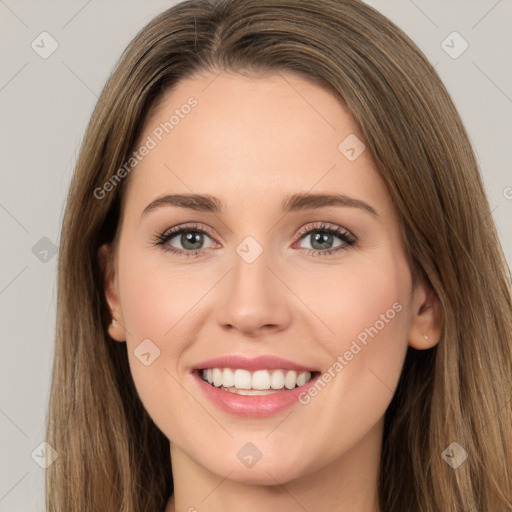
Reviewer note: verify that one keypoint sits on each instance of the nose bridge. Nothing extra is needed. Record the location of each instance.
(252, 297)
(250, 273)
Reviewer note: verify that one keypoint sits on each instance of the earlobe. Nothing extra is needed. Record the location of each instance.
(106, 260)
(426, 320)
(116, 331)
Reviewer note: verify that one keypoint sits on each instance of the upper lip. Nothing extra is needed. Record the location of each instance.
(266, 362)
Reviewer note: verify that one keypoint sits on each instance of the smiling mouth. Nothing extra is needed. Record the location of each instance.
(255, 383)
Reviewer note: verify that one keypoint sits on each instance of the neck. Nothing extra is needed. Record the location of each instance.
(347, 483)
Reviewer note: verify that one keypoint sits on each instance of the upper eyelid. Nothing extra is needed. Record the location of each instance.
(326, 226)
(177, 229)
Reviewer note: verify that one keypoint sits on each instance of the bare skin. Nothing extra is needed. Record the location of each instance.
(251, 143)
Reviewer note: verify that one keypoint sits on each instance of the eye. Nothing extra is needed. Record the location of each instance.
(321, 238)
(191, 239)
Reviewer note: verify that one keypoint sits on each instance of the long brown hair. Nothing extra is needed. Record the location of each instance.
(111, 455)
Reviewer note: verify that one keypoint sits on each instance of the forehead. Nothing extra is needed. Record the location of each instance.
(247, 138)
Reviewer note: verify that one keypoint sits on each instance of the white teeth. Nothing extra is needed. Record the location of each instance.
(242, 379)
(277, 379)
(291, 379)
(254, 383)
(301, 378)
(217, 377)
(228, 378)
(260, 380)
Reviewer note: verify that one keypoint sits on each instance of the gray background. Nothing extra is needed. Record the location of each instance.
(46, 104)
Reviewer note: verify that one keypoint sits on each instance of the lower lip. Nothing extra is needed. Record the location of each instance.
(258, 406)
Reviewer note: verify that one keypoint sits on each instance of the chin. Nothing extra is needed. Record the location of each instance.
(274, 466)
(261, 474)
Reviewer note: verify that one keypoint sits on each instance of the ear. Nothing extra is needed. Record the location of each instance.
(426, 318)
(106, 260)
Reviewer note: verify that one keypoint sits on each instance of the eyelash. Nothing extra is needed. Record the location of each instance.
(348, 239)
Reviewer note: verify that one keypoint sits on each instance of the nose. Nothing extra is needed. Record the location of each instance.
(252, 299)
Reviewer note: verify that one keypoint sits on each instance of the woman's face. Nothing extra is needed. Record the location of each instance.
(295, 257)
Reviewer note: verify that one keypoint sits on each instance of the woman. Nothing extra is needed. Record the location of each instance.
(369, 370)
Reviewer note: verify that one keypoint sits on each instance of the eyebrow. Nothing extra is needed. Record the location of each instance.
(292, 203)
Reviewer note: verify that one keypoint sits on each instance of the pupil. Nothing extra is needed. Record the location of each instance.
(191, 237)
(321, 238)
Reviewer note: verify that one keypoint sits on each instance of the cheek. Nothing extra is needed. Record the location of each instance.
(359, 297)
(368, 309)
(369, 314)
(158, 300)
(158, 306)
